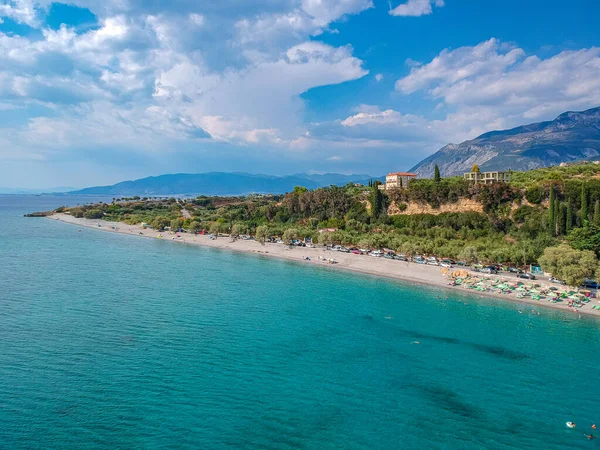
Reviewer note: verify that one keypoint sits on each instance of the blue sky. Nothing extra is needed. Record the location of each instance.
(96, 92)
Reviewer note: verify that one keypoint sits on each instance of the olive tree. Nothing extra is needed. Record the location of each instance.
(290, 235)
(262, 234)
(469, 254)
(195, 227)
(568, 264)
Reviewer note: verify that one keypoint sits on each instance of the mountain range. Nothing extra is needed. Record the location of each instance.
(19, 191)
(571, 136)
(220, 183)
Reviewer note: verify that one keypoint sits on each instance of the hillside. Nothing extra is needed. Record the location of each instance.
(571, 136)
(517, 223)
(219, 183)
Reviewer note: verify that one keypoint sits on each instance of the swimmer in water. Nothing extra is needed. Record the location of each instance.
(594, 427)
(415, 342)
(591, 436)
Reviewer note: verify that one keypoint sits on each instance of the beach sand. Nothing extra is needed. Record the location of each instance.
(380, 267)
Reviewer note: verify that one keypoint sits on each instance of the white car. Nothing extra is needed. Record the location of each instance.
(445, 264)
(376, 254)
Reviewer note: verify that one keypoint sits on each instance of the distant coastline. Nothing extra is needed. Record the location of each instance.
(379, 267)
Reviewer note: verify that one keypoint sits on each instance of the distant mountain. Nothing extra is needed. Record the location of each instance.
(35, 191)
(219, 183)
(571, 136)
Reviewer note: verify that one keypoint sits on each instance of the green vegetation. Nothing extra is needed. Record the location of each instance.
(566, 263)
(542, 209)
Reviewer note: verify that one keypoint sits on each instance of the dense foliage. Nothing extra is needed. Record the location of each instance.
(540, 209)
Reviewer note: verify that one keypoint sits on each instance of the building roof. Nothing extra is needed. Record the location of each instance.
(402, 174)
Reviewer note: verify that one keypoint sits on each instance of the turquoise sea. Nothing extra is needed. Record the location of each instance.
(110, 341)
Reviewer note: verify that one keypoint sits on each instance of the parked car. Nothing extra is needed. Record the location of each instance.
(401, 257)
(419, 260)
(461, 263)
(446, 263)
(514, 270)
(376, 253)
(590, 284)
(490, 269)
(363, 251)
(526, 276)
(556, 280)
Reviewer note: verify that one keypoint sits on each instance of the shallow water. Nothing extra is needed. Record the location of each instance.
(112, 341)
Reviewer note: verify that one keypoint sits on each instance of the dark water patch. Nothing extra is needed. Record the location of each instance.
(450, 401)
(495, 350)
(501, 352)
(419, 335)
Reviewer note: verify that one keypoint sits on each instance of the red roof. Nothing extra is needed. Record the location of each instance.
(403, 174)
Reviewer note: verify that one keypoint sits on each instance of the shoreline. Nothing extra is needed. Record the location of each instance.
(379, 267)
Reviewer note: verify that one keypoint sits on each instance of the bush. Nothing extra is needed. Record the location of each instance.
(93, 214)
(534, 194)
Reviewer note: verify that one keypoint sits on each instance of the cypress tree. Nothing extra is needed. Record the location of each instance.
(562, 220)
(551, 217)
(584, 204)
(555, 228)
(597, 212)
(436, 174)
(569, 221)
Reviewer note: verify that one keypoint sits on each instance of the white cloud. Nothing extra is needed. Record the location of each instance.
(143, 78)
(21, 11)
(486, 87)
(501, 78)
(416, 8)
(378, 77)
(197, 19)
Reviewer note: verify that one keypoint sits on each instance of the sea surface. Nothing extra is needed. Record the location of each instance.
(110, 341)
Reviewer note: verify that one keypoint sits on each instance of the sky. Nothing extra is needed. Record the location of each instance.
(95, 92)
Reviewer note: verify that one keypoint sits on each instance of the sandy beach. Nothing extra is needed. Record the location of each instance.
(380, 267)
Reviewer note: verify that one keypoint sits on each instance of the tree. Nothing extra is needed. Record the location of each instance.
(298, 190)
(377, 201)
(475, 168)
(176, 224)
(551, 217)
(584, 203)
(216, 228)
(597, 212)
(562, 220)
(569, 220)
(262, 234)
(469, 254)
(586, 238)
(93, 214)
(555, 229)
(195, 227)
(160, 223)
(290, 235)
(569, 264)
(325, 238)
(238, 228)
(436, 174)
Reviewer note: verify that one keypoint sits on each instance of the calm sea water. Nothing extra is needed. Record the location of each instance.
(111, 341)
